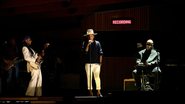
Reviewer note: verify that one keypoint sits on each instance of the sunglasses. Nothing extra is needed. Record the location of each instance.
(149, 44)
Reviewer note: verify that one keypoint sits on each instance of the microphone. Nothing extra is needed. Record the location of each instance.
(90, 41)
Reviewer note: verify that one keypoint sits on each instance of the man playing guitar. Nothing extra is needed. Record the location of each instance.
(9, 66)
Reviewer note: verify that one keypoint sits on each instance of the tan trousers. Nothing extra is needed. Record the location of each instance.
(93, 70)
(35, 83)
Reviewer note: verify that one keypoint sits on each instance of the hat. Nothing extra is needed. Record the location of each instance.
(90, 31)
(150, 41)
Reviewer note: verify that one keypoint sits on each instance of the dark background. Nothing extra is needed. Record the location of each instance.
(63, 23)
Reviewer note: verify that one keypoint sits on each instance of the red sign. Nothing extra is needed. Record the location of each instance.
(121, 22)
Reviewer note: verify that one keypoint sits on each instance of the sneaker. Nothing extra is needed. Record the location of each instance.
(148, 88)
(99, 94)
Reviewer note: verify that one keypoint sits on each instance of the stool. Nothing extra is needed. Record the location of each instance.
(129, 83)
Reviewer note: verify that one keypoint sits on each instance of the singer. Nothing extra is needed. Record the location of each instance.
(93, 59)
(147, 64)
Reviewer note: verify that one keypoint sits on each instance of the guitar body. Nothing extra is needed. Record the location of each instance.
(39, 60)
(34, 65)
(9, 64)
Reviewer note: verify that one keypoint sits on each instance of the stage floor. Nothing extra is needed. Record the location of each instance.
(108, 98)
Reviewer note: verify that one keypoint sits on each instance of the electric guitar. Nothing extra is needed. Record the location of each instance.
(39, 59)
(9, 64)
(37, 63)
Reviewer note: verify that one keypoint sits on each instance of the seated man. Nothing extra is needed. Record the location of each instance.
(147, 63)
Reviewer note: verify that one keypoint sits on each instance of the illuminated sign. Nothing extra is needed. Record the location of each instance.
(121, 22)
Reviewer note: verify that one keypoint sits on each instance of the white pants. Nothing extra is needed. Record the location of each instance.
(35, 83)
(93, 69)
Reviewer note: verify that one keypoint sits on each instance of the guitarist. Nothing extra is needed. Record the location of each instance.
(9, 66)
(33, 60)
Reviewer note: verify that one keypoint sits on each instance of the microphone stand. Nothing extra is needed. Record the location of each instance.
(90, 65)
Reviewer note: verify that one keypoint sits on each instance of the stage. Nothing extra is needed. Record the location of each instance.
(108, 98)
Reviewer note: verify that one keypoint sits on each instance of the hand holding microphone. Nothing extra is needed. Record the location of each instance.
(90, 41)
(88, 45)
